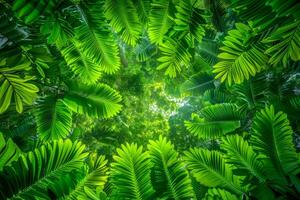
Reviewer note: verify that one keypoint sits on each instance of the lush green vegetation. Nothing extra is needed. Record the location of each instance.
(150, 99)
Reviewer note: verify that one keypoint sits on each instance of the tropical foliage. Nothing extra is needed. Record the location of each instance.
(149, 99)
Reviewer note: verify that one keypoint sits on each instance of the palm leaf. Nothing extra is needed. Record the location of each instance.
(12, 86)
(285, 8)
(57, 30)
(189, 20)
(93, 100)
(159, 20)
(31, 10)
(95, 39)
(174, 57)
(11, 32)
(239, 60)
(53, 118)
(260, 14)
(130, 173)
(9, 152)
(287, 43)
(171, 180)
(216, 120)
(209, 168)
(83, 66)
(42, 169)
(124, 19)
(272, 137)
(243, 157)
(143, 9)
(253, 93)
(219, 194)
(93, 180)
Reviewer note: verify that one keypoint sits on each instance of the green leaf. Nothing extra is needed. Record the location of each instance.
(216, 120)
(9, 152)
(210, 169)
(159, 20)
(31, 10)
(84, 67)
(53, 118)
(174, 57)
(95, 38)
(171, 180)
(190, 20)
(239, 58)
(97, 100)
(130, 173)
(242, 156)
(41, 169)
(124, 19)
(272, 137)
(94, 179)
(13, 86)
(287, 43)
(219, 194)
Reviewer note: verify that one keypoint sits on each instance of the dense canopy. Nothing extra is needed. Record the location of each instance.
(150, 99)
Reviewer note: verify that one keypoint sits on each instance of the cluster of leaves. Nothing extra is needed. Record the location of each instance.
(262, 166)
(239, 58)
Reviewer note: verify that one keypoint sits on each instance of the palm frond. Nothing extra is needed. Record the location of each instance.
(9, 152)
(57, 30)
(159, 20)
(93, 100)
(12, 86)
(287, 43)
(31, 10)
(96, 40)
(260, 14)
(84, 67)
(94, 179)
(272, 137)
(242, 156)
(53, 118)
(130, 173)
(215, 121)
(285, 8)
(36, 172)
(174, 58)
(219, 194)
(124, 19)
(239, 59)
(143, 9)
(253, 93)
(171, 180)
(210, 169)
(189, 20)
